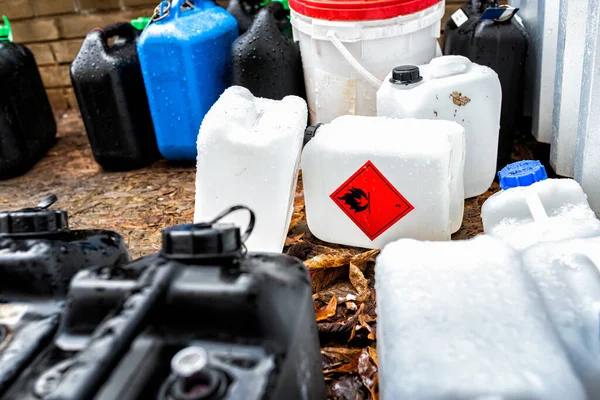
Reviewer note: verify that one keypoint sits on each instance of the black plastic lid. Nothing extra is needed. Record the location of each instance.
(205, 240)
(406, 74)
(34, 221)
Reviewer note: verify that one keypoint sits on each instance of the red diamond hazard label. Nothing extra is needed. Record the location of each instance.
(371, 201)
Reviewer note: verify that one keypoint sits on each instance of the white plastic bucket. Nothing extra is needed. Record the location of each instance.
(345, 61)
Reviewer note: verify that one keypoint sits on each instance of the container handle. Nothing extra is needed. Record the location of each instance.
(445, 66)
(369, 77)
(176, 6)
(121, 29)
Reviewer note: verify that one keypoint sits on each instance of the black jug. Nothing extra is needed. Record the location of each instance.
(266, 61)
(39, 255)
(110, 90)
(502, 46)
(27, 125)
(244, 12)
(202, 319)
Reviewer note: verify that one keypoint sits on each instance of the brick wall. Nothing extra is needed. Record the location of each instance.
(54, 31)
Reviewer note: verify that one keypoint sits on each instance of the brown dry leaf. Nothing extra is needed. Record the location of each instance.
(360, 260)
(351, 306)
(373, 354)
(341, 353)
(359, 282)
(306, 250)
(290, 240)
(339, 327)
(459, 99)
(344, 291)
(346, 387)
(328, 311)
(296, 217)
(367, 371)
(355, 318)
(345, 368)
(364, 320)
(326, 278)
(332, 260)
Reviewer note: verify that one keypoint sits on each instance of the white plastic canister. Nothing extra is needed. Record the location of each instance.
(349, 46)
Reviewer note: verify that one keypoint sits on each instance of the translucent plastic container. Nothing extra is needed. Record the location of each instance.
(587, 158)
(462, 320)
(372, 180)
(567, 89)
(534, 209)
(540, 19)
(451, 88)
(249, 153)
(349, 47)
(567, 275)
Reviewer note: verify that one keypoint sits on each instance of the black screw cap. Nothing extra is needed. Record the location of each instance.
(405, 75)
(201, 240)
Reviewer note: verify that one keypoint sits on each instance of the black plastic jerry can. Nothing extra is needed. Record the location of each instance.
(39, 255)
(27, 125)
(201, 319)
(110, 90)
(244, 12)
(494, 38)
(265, 59)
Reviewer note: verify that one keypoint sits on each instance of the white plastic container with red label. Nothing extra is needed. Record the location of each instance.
(349, 46)
(371, 180)
(455, 89)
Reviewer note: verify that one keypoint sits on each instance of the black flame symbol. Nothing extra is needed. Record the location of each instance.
(357, 200)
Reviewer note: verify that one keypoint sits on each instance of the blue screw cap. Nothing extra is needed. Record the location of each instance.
(521, 173)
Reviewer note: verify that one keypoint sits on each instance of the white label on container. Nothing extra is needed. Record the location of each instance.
(11, 314)
(459, 17)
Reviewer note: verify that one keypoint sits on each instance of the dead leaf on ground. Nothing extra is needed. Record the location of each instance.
(328, 311)
(355, 318)
(340, 327)
(324, 278)
(332, 260)
(360, 260)
(459, 99)
(290, 240)
(344, 291)
(341, 353)
(346, 387)
(359, 282)
(296, 217)
(367, 371)
(373, 354)
(344, 368)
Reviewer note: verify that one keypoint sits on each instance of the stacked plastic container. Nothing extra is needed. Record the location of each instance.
(509, 314)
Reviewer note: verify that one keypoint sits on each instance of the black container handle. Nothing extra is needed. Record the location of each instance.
(122, 29)
(225, 213)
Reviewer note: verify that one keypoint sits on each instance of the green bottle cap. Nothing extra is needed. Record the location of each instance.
(5, 31)
(140, 23)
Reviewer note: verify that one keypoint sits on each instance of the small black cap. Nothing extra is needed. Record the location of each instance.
(406, 74)
(310, 133)
(201, 240)
(33, 221)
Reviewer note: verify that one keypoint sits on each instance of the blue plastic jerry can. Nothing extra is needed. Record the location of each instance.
(185, 54)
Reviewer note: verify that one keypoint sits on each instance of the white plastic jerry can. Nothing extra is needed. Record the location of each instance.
(249, 153)
(567, 275)
(462, 320)
(371, 180)
(532, 209)
(455, 89)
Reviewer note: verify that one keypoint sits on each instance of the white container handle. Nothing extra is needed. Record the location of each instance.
(449, 66)
(372, 79)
